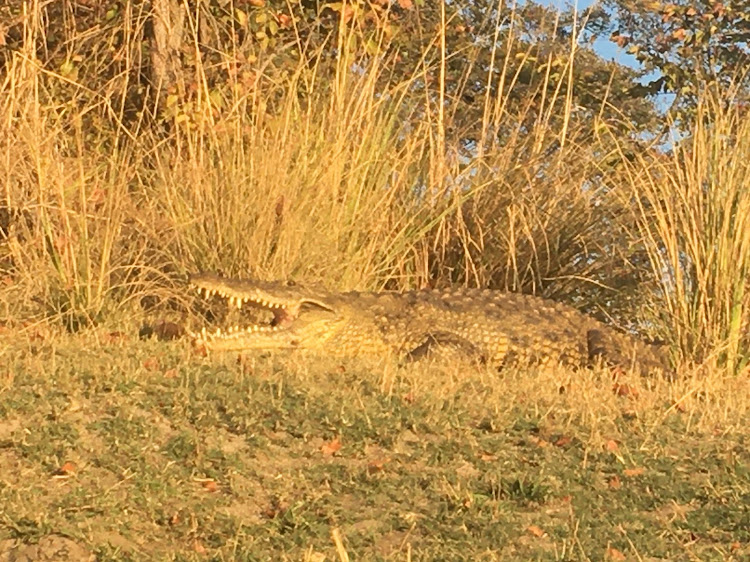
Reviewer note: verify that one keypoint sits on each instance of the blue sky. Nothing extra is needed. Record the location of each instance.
(603, 46)
(610, 51)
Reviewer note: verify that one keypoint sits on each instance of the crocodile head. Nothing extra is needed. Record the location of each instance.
(302, 318)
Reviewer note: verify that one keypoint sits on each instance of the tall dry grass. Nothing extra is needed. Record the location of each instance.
(342, 173)
(692, 211)
(66, 248)
(320, 188)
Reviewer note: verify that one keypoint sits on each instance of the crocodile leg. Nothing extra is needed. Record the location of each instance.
(446, 345)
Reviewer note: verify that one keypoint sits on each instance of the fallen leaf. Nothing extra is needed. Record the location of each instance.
(611, 446)
(151, 364)
(614, 554)
(331, 448)
(376, 466)
(621, 389)
(170, 374)
(630, 472)
(275, 508)
(67, 469)
(536, 530)
(208, 484)
(563, 440)
(538, 441)
(614, 482)
(198, 547)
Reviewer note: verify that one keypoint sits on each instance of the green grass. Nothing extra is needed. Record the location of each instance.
(182, 457)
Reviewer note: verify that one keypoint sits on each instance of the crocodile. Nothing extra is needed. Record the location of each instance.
(493, 327)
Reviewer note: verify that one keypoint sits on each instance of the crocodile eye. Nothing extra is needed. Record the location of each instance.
(291, 283)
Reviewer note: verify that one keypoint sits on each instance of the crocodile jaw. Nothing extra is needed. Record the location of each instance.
(271, 295)
(238, 339)
(299, 322)
(310, 330)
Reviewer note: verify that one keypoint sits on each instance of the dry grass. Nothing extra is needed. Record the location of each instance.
(343, 175)
(151, 451)
(692, 210)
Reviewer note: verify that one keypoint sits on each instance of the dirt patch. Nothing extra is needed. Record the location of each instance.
(52, 548)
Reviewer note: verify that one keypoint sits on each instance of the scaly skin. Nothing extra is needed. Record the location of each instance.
(491, 326)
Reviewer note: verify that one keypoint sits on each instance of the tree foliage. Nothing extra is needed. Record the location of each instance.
(687, 44)
(487, 49)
